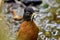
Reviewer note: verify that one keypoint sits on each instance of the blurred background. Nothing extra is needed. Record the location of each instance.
(47, 19)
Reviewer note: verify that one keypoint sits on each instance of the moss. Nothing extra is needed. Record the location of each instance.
(58, 1)
(45, 6)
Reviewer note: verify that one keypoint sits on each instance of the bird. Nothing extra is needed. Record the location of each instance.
(28, 29)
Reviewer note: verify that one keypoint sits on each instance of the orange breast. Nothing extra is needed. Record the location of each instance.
(28, 31)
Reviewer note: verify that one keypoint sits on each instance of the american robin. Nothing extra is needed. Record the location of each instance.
(28, 29)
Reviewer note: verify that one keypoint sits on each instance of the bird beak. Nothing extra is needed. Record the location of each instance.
(32, 17)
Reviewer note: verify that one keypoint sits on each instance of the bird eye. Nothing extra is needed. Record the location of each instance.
(27, 12)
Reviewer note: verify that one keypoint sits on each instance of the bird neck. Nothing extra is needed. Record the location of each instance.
(30, 22)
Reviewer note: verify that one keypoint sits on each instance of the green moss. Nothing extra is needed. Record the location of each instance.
(58, 1)
(4, 28)
(45, 6)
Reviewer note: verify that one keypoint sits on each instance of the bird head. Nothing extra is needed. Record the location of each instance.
(31, 8)
(29, 14)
